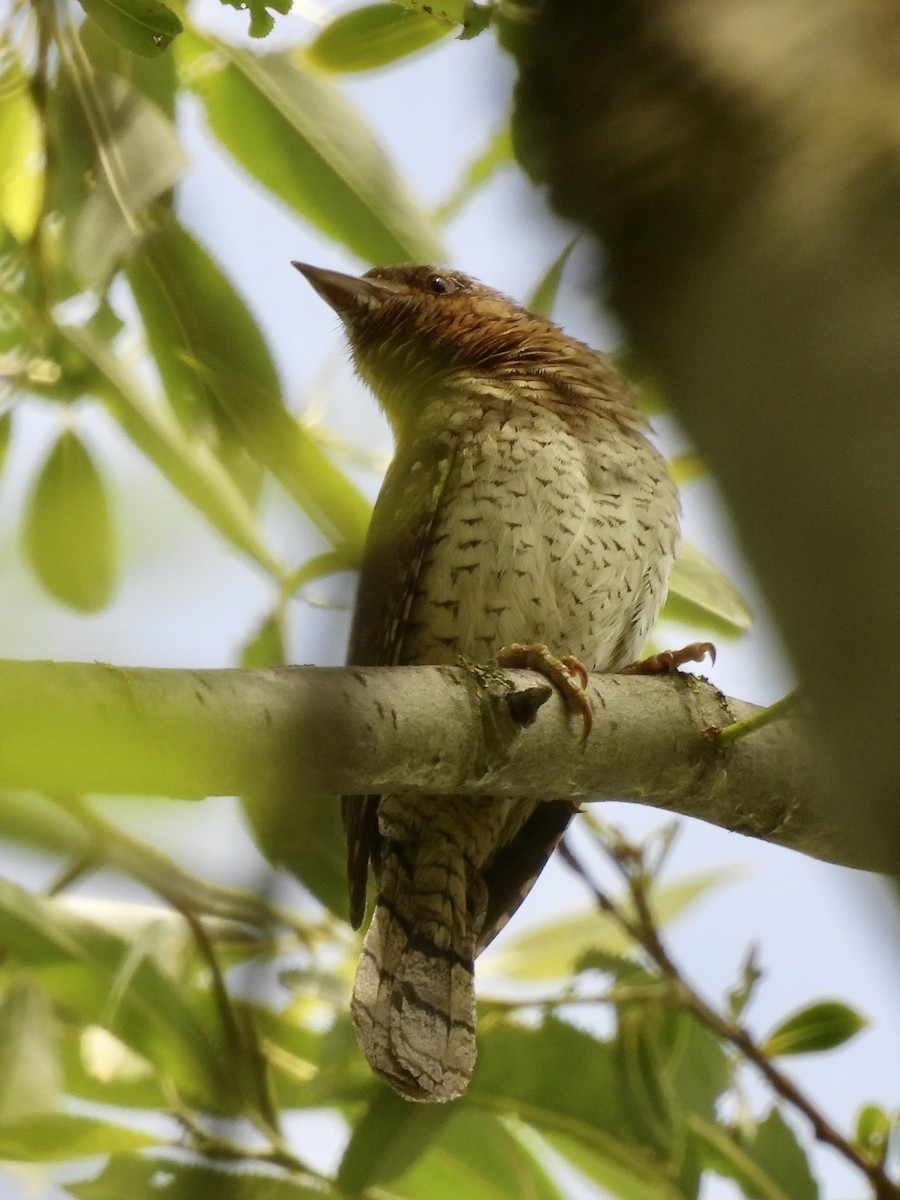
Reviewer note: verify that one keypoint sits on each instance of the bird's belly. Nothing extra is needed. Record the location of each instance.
(533, 550)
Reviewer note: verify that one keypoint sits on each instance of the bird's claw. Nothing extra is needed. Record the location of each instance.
(567, 674)
(668, 661)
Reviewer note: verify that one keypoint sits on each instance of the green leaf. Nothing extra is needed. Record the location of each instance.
(189, 465)
(552, 949)
(473, 17)
(821, 1026)
(109, 981)
(477, 1154)
(543, 298)
(261, 22)
(700, 594)
(154, 78)
(169, 1179)
(387, 1140)
(294, 132)
(769, 1164)
(68, 531)
(303, 834)
(29, 1065)
(372, 36)
(21, 152)
(212, 358)
(873, 1130)
(6, 424)
(124, 154)
(497, 153)
(686, 467)
(265, 646)
(144, 27)
(59, 1137)
(741, 995)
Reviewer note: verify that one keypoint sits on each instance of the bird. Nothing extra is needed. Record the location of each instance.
(524, 507)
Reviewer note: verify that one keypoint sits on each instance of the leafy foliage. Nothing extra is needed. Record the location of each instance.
(130, 1009)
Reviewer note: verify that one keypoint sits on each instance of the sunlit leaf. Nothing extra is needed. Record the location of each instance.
(58, 1137)
(372, 36)
(261, 20)
(473, 17)
(294, 132)
(170, 1179)
(134, 156)
(821, 1026)
(551, 950)
(189, 465)
(212, 356)
(144, 27)
(700, 594)
(154, 78)
(543, 298)
(29, 1065)
(873, 1131)
(108, 981)
(21, 153)
(768, 1163)
(265, 646)
(69, 536)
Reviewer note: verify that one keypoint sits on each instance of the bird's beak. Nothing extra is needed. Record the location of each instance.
(348, 295)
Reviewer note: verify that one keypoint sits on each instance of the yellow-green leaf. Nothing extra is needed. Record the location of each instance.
(701, 594)
(372, 36)
(69, 536)
(21, 154)
(144, 27)
(821, 1026)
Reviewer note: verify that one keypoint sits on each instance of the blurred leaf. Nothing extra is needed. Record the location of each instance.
(6, 424)
(387, 1140)
(565, 1082)
(372, 36)
(873, 1130)
(264, 647)
(213, 353)
(107, 981)
(155, 79)
(740, 996)
(21, 152)
(606, 1165)
(58, 1137)
(497, 153)
(767, 1164)
(303, 834)
(821, 1026)
(476, 1154)
(543, 298)
(473, 17)
(69, 536)
(294, 132)
(686, 467)
(189, 465)
(261, 21)
(144, 27)
(168, 1179)
(551, 949)
(29, 1065)
(700, 594)
(134, 157)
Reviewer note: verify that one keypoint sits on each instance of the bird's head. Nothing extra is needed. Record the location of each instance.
(416, 330)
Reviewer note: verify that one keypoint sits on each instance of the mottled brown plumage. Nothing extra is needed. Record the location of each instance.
(524, 504)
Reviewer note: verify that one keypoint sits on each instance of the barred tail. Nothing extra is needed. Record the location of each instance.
(413, 1002)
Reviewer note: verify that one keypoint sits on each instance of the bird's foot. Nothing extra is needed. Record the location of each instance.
(567, 674)
(668, 661)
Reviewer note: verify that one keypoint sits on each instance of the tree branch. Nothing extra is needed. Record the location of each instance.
(73, 727)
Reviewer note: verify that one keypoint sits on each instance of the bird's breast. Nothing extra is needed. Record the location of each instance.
(545, 533)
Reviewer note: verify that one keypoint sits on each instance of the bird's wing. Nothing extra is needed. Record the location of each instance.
(398, 539)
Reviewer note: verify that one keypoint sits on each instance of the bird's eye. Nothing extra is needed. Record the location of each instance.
(441, 285)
